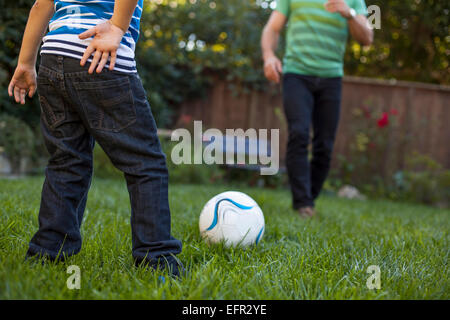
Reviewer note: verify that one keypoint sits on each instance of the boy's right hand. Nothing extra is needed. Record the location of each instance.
(105, 43)
(23, 81)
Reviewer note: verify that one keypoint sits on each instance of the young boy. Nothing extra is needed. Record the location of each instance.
(102, 101)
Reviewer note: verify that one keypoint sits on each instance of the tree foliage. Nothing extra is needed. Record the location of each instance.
(13, 17)
(184, 42)
(413, 43)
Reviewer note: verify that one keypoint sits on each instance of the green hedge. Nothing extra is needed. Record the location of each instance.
(16, 140)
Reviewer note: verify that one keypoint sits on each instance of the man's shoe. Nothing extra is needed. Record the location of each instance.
(307, 212)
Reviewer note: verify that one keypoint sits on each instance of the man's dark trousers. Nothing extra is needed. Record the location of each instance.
(310, 100)
(111, 108)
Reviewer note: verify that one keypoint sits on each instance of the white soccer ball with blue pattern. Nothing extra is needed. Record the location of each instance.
(233, 218)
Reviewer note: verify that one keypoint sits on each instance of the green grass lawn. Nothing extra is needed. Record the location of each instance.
(323, 258)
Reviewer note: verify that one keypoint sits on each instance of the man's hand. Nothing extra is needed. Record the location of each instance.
(106, 41)
(269, 43)
(273, 68)
(359, 25)
(23, 81)
(338, 6)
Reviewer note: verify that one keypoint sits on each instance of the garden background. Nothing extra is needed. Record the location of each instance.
(200, 60)
(200, 56)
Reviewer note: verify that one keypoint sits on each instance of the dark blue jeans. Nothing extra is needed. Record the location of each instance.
(111, 108)
(310, 100)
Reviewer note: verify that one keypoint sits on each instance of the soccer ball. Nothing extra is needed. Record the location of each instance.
(232, 218)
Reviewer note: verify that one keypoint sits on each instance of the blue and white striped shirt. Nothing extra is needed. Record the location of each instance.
(73, 17)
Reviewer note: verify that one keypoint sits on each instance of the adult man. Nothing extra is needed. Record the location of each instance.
(312, 77)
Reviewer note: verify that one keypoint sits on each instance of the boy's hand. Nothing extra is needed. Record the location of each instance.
(23, 81)
(106, 41)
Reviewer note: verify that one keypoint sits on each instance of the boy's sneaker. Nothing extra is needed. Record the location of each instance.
(39, 258)
(173, 266)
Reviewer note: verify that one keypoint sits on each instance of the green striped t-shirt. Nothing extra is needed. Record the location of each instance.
(316, 38)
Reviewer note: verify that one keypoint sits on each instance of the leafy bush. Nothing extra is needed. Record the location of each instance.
(412, 43)
(372, 131)
(16, 140)
(423, 180)
(13, 17)
(184, 43)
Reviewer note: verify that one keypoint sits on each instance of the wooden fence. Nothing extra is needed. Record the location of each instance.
(423, 115)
